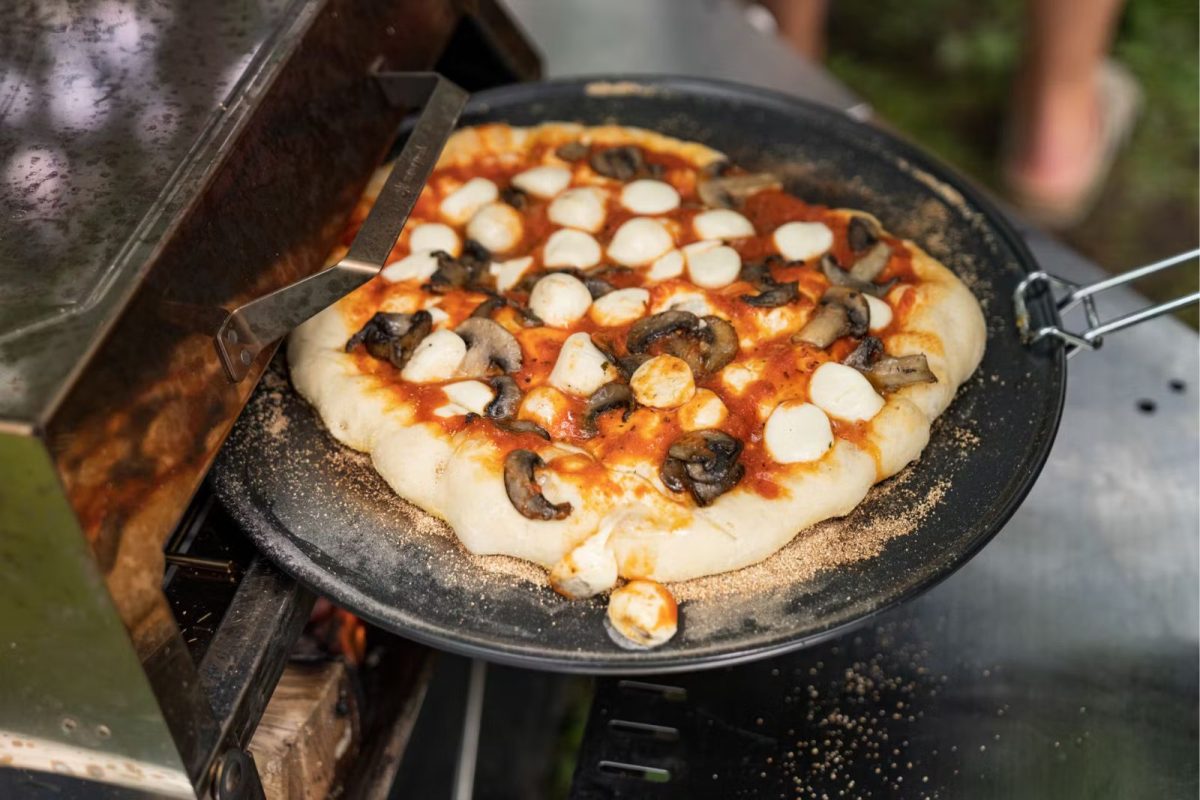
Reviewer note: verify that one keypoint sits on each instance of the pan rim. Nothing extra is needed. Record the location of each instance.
(301, 567)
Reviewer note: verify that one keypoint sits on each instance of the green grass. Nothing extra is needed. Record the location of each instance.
(940, 71)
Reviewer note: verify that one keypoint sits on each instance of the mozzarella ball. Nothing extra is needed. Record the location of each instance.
(639, 241)
(797, 432)
(436, 358)
(416, 266)
(739, 375)
(619, 307)
(881, 313)
(581, 208)
(559, 299)
(508, 273)
(663, 382)
(461, 204)
(649, 197)
(581, 368)
(544, 405)
(497, 226)
(668, 265)
(684, 300)
(721, 223)
(711, 264)
(843, 392)
(642, 613)
(800, 241)
(471, 395)
(438, 316)
(586, 571)
(544, 182)
(434, 236)
(704, 410)
(571, 248)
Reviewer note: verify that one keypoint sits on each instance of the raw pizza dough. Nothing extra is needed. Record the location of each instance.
(814, 441)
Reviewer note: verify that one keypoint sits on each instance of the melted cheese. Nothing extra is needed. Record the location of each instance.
(639, 241)
(436, 358)
(649, 197)
(588, 570)
(881, 313)
(663, 382)
(721, 223)
(581, 368)
(497, 226)
(559, 299)
(843, 392)
(705, 410)
(581, 208)
(474, 396)
(413, 267)
(800, 241)
(643, 614)
(508, 273)
(620, 307)
(461, 204)
(712, 265)
(668, 265)
(571, 248)
(544, 182)
(797, 432)
(434, 236)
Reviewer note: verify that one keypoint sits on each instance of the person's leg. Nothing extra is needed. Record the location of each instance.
(1057, 114)
(802, 23)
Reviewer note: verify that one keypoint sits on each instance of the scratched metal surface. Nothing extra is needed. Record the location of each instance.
(1060, 662)
(99, 104)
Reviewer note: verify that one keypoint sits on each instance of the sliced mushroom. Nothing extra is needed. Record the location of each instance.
(861, 233)
(731, 190)
(393, 337)
(507, 400)
(706, 344)
(597, 287)
(779, 295)
(622, 163)
(489, 347)
(722, 347)
(839, 277)
(872, 263)
(523, 491)
(522, 426)
(462, 272)
(572, 151)
(495, 302)
(758, 273)
(704, 463)
(514, 197)
(841, 312)
(887, 373)
(609, 397)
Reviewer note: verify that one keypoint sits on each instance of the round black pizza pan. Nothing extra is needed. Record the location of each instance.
(326, 518)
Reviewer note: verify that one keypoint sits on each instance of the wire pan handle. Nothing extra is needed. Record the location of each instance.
(1075, 294)
(251, 327)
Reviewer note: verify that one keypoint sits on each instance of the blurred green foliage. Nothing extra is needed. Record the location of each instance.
(941, 70)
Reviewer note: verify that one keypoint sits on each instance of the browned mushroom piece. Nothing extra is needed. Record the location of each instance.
(730, 191)
(522, 426)
(841, 312)
(868, 267)
(514, 197)
(887, 373)
(703, 463)
(597, 287)
(622, 163)
(507, 401)
(706, 344)
(778, 295)
(861, 233)
(466, 271)
(609, 397)
(490, 348)
(393, 337)
(495, 302)
(840, 277)
(523, 490)
(572, 151)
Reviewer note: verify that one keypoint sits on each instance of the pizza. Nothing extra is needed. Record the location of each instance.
(619, 356)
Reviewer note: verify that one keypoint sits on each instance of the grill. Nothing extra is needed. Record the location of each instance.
(142, 636)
